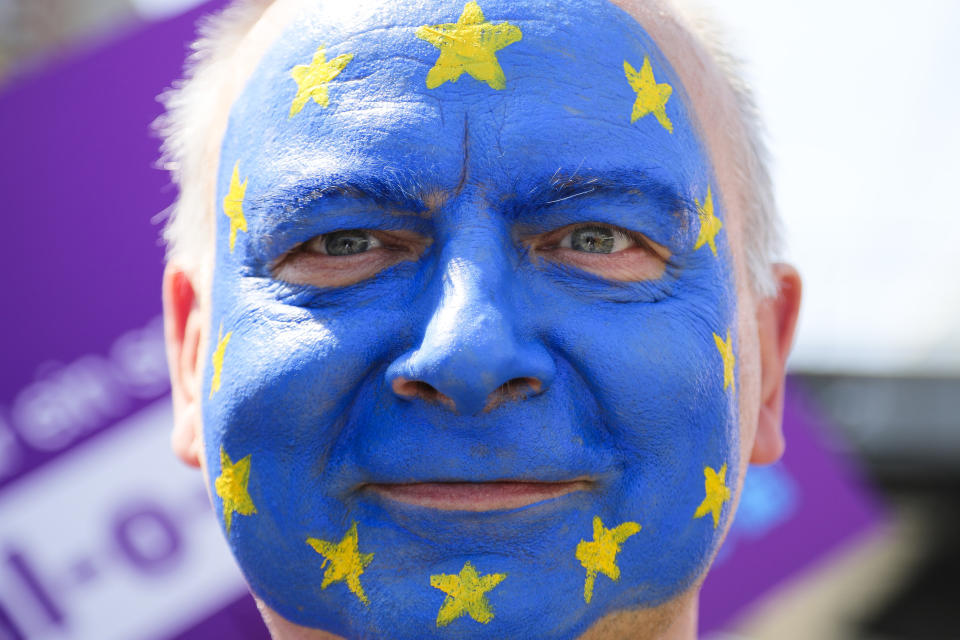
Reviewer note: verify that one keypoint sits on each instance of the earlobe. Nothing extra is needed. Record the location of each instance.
(183, 333)
(776, 323)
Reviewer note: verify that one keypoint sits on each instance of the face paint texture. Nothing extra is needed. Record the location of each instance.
(469, 46)
(466, 595)
(346, 563)
(233, 205)
(634, 393)
(231, 487)
(312, 79)
(717, 493)
(651, 96)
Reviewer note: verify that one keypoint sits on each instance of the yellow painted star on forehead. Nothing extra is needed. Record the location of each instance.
(312, 79)
(231, 486)
(725, 347)
(233, 205)
(218, 353)
(717, 492)
(709, 224)
(470, 44)
(346, 562)
(651, 96)
(600, 555)
(466, 594)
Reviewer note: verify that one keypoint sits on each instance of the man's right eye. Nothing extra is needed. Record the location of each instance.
(342, 258)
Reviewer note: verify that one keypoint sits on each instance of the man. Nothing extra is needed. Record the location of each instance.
(471, 318)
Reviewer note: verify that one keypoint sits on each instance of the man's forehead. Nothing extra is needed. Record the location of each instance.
(567, 91)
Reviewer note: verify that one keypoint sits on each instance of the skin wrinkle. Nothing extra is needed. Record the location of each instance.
(738, 270)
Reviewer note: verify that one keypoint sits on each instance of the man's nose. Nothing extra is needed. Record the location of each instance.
(471, 357)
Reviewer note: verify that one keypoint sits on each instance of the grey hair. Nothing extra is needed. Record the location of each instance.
(763, 235)
(192, 103)
(191, 107)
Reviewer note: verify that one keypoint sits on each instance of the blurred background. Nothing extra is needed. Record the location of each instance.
(854, 535)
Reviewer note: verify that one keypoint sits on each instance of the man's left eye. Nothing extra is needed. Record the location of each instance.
(343, 243)
(604, 250)
(597, 239)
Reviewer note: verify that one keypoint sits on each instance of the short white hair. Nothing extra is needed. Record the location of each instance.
(193, 102)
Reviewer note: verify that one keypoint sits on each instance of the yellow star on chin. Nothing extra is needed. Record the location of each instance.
(469, 45)
(312, 79)
(218, 353)
(709, 224)
(346, 562)
(233, 205)
(466, 594)
(717, 493)
(725, 347)
(600, 555)
(231, 486)
(651, 96)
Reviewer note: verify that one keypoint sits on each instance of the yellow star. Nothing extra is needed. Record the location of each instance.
(346, 562)
(218, 354)
(717, 493)
(725, 347)
(709, 224)
(651, 97)
(600, 555)
(231, 486)
(233, 205)
(312, 79)
(465, 594)
(469, 45)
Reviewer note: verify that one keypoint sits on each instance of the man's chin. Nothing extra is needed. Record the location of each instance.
(676, 618)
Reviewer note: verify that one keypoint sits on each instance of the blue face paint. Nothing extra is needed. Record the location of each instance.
(634, 386)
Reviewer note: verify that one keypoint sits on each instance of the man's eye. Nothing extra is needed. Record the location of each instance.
(343, 243)
(597, 239)
(342, 258)
(603, 250)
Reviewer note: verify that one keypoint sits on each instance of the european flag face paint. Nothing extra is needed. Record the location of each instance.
(471, 128)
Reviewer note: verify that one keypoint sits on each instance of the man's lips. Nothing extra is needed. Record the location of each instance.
(477, 496)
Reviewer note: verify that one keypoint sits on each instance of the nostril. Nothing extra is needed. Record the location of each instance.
(512, 390)
(419, 389)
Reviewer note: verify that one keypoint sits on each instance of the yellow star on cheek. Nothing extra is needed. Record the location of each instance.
(725, 347)
(469, 45)
(231, 486)
(312, 79)
(717, 493)
(346, 562)
(218, 354)
(466, 594)
(233, 205)
(709, 224)
(651, 96)
(600, 555)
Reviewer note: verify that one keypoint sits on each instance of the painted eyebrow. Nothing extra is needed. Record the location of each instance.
(390, 190)
(407, 191)
(564, 187)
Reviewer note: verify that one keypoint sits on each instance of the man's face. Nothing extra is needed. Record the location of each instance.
(471, 363)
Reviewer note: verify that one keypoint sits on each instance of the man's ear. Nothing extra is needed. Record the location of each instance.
(776, 322)
(183, 322)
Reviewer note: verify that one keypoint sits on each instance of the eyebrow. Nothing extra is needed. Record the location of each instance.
(664, 195)
(562, 187)
(409, 191)
(390, 190)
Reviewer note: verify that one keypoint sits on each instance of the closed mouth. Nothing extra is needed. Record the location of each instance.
(477, 496)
